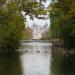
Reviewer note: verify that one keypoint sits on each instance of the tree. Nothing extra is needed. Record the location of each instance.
(62, 21)
(12, 21)
(27, 34)
(11, 27)
(33, 8)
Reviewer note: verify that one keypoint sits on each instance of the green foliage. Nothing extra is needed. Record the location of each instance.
(11, 26)
(12, 21)
(62, 21)
(2, 2)
(33, 8)
(46, 35)
(27, 34)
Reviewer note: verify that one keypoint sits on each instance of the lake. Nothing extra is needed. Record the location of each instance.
(37, 58)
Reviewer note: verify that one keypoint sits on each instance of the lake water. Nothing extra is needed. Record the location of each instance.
(37, 58)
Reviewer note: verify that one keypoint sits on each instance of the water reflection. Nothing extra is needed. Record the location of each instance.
(36, 61)
(35, 47)
(68, 65)
(62, 65)
(10, 65)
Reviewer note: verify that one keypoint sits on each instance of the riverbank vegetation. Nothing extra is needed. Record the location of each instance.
(62, 13)
(27, 34)
(46, 35)
(12, 22)
(10, 65)
(11, 26)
